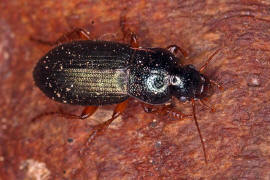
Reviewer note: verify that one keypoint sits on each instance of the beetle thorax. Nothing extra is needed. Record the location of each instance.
(187, 83)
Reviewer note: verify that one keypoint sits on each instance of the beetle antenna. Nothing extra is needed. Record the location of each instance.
(199, 131)
(208, 60)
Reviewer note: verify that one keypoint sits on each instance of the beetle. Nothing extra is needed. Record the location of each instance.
(96, 73)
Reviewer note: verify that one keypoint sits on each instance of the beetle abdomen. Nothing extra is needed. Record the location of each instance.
(85, 73)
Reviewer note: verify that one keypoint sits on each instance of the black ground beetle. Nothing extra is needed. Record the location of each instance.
(94, 73)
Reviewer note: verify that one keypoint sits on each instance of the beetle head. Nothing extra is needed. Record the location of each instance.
(187, 83)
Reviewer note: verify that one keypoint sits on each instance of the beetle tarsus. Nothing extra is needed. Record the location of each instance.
(88, 111)
(178, 114)
(165, 110)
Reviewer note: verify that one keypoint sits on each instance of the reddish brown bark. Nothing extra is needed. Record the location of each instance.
(139, 145)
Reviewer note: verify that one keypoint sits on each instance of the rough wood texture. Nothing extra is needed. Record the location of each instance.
(140, 145)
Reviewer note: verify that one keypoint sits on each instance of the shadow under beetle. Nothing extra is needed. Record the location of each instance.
(94, 73)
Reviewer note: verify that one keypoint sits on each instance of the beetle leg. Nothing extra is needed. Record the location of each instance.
(99, 129)
(174, 49)
(171, 112)
(176, 114)
(165, 110)
(88, 111)
(128, 33)
(134, 41)
(77, 33)
(149, 108)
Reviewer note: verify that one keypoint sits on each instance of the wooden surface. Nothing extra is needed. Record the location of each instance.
(139, 145)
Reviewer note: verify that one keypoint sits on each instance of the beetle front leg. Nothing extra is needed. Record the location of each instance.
(149, 108)
(165, 110)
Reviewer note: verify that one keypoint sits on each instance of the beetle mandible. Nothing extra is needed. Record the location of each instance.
(94, 73)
